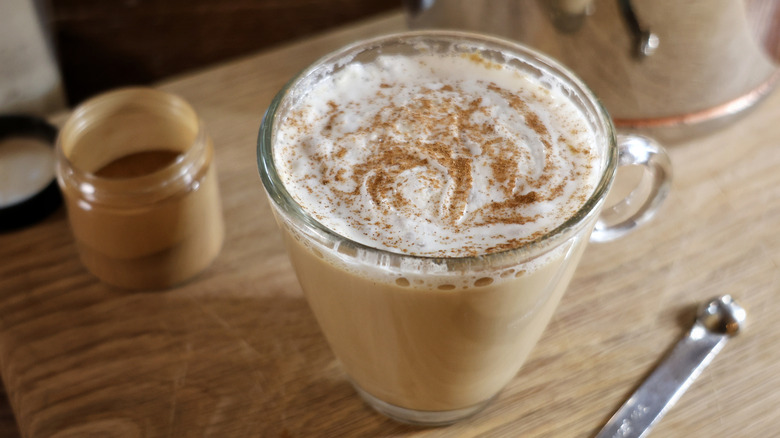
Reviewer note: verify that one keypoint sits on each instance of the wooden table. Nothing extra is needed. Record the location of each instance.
(237, 353)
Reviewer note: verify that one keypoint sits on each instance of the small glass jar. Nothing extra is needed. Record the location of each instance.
(136, 170)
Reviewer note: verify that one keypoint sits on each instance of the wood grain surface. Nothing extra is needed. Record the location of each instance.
(8, 427)
(237, 353)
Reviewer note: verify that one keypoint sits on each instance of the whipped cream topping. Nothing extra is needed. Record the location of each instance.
(437, 155)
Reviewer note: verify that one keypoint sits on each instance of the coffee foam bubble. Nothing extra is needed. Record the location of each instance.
(425, 273)
(437, 155)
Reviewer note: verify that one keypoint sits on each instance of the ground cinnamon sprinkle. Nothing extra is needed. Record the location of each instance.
(424, 155)
(505, 173)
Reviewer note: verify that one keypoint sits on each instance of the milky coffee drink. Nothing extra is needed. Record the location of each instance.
(427, 165)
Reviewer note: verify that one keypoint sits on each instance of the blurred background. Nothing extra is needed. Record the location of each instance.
(59, 52)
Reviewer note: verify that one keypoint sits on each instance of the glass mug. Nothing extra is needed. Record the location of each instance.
(428, 340)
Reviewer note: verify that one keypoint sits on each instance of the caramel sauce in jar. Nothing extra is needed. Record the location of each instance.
(138, 164)
(136, 170)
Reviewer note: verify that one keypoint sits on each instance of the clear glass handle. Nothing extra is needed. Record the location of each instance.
(638, 206)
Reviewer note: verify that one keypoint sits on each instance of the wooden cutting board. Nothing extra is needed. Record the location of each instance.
(237, 353)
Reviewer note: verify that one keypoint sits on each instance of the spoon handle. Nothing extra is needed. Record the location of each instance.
(716, 321)
(661, 390)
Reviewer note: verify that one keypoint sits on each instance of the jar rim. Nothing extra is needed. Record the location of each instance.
(152, 186)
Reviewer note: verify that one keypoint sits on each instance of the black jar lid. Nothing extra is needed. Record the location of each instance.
(28, 183)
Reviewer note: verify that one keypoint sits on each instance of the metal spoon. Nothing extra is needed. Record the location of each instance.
(716, 322)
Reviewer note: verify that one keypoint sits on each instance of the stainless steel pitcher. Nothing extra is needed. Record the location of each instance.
(670, 68)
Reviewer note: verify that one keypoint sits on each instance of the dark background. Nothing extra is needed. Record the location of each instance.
(103, 44)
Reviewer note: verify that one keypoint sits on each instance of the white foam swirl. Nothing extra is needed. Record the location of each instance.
(436, 155)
